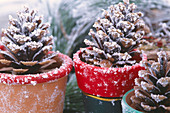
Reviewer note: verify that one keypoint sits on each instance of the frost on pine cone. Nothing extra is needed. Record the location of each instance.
(27, 44)
(152, 90)
(116, 36)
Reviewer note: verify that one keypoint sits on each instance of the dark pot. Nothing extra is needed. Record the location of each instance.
(94, 104)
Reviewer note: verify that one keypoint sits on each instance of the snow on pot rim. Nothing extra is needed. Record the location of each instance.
(33, 79)
(105, 82)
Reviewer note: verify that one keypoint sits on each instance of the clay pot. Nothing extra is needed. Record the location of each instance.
(126, 102)
(105, 82)
(35, 93)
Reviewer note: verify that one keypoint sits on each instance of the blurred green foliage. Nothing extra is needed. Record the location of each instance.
(70, 24)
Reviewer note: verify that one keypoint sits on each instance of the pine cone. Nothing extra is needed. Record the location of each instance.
(152, 90)
(116, 36)
(27, 44)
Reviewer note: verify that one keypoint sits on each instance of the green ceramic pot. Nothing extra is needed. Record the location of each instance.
(126, 108)
(94, 104)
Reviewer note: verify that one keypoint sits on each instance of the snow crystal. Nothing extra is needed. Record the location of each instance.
(4, 82)
(34, 45)
(17, 80)
(25, 79)
(111, 94)
(131, 75)
(92, 79)
(158, 97)
(33, 83)
(113, 102)
(104, 71)
(115, 82)
(164, 81)
(100, 102)
(105, 84)
(95, 73)
(123, 91)
(45, 76)
(99, 84)
(123, 83)
(106, 90)
(55, 71)
(87, 86)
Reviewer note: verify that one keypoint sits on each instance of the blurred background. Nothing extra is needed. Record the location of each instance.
(70, 23)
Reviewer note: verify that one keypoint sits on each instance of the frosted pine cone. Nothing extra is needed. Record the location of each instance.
(27, 44)
(116, 36)
(152, 90)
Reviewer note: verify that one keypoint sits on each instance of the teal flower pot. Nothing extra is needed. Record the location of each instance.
(126, 108)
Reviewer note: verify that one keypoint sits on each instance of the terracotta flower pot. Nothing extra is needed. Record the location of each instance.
(35, 93)
(126, 102)
(105, 82)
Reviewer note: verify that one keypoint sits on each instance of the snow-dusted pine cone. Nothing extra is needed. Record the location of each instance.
(27, 44)
(116, 35)
(152, 90)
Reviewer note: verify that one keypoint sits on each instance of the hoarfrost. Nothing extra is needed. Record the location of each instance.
(113, 102)
(100, 102)
(45, 76)
(87, 86)
(33, 82)
(123, 83)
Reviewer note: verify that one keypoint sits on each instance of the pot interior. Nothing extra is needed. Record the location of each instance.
(129, 102)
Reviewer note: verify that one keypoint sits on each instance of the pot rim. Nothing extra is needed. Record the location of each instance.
(77, 59)
(129, 107)
(33, 79)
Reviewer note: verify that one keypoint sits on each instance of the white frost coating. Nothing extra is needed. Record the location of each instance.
(86, 73)
(147, 107)
(115, 82)
(131, 75)
(87, 86)
(99, 85)
(136, 82)
(158, 98)
(100, 102)
(113, 102)
(164, 81)
(146, 86)
(34, 44)
(33, 83)
(123, 83)
(105, 84)
(91, 79)
(45, 76)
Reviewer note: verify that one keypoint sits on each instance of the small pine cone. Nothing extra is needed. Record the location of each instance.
(152, 90)
(116, 36)
(27, 44)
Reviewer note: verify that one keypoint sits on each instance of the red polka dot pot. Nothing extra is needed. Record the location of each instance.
(35, 93)
(105, 82)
